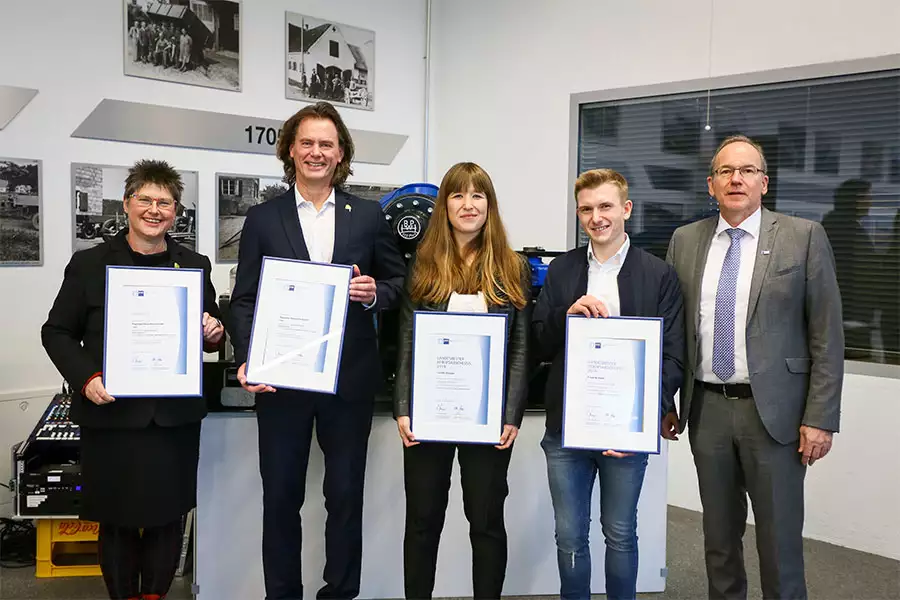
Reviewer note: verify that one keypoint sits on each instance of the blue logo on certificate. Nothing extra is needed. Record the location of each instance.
(443, 341)
(139, 293)
(597, 345)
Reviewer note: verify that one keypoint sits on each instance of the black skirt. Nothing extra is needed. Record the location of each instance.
(139, 477)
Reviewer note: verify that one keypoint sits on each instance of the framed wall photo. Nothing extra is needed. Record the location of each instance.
(326, 60)
(98, 211)
(235, 195)
(369, 191)
(195, 42)
(21, 242)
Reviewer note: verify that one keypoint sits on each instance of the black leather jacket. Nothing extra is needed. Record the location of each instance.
(518, 327)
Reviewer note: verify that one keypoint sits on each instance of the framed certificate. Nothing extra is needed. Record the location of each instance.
(298, 325)
(153, 332)
(458, 377)
(613, 384)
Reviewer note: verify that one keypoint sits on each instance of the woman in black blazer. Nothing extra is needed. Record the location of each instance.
(138, 455)
(464, 264)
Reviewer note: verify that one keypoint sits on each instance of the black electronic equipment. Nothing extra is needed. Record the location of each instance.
(408, 211)
(539, 260)
(46, 465)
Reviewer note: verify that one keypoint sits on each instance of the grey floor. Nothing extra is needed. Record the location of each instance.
(833, 573)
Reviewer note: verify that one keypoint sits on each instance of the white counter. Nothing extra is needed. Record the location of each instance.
(229, 519)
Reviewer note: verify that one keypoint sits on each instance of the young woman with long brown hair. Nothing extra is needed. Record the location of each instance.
(463, 264)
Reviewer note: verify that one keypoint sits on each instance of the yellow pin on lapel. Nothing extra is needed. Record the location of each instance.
(348, 208)
(177, 266)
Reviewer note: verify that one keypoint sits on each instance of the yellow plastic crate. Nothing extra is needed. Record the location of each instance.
(67, 548)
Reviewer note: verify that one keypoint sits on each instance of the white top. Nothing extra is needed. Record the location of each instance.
(467, 303)
(603, 282)
(710, 284)
(317, 226)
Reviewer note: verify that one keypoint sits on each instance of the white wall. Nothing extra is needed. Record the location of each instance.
(502, 74)
(72, 53)
(71, 83)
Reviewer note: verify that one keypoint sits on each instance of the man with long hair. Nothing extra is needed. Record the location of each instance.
(463, 264)
(608, 278)
(314, 222)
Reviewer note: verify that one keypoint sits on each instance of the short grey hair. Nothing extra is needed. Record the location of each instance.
(731, 139)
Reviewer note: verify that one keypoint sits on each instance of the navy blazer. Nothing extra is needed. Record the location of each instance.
(648, 287)
(362, 237)
(73, 337)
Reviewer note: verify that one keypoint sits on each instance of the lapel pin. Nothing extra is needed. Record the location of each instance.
(177, 266)
(348, 208)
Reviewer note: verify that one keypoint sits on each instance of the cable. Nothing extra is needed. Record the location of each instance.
(18, 540)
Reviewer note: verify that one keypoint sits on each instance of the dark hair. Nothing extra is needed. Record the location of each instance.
(157, 172)
(319, 110)
(847, 196)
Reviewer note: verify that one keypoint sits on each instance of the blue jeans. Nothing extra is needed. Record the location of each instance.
(571, 474)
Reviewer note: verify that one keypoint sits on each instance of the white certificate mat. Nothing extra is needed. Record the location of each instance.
(458, 377)
(153, 332)
(298, 325)
(613, 379)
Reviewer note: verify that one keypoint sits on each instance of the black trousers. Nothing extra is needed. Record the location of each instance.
(285, 420)
(135, 562)
(426, 470)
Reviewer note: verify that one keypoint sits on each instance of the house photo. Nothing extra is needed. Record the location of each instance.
(326, 60)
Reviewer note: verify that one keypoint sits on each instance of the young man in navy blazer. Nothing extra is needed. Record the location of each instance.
(607, 278)
(317, 221)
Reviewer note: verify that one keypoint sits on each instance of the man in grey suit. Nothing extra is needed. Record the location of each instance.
(765, 361)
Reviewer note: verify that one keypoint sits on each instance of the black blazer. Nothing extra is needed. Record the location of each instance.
(648, 287)
(362, 237)
(73, 337)
(517, 334)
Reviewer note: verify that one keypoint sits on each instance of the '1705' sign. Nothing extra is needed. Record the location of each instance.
(135, 122)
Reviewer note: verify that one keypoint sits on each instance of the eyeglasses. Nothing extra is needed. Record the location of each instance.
(728, 172)
(147, 202)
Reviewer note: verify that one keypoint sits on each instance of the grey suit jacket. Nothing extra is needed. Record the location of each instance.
(795, 338)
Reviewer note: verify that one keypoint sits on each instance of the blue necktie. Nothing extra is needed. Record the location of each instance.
(726, 296)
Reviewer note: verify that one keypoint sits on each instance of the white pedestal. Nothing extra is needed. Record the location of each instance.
(229, 519)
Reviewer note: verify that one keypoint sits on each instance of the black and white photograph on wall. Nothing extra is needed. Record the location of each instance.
(196, 42)
(97, 196)
(369, 191)
(20, 211)
(236, 194)
(329, 61)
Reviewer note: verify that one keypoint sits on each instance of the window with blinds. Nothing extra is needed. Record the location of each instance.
(833, 151)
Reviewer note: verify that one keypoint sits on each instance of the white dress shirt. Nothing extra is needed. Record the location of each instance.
(317, 226)
(603, 282)
(710, 285)
(467, 303)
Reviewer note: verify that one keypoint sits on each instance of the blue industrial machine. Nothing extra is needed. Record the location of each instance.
(407, 210)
